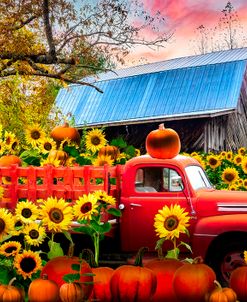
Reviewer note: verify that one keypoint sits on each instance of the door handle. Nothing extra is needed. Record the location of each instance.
(135, 205)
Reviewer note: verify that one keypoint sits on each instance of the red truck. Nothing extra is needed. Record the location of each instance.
(218, 224)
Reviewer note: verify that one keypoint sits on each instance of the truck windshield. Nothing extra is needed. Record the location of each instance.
(197, 177)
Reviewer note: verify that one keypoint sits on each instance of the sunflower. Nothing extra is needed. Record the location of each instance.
(137, 152)
(1, 192)
(46, 145)
(241, 151)
(103, 197)
(229, 175)
(27, 263)
(18, 226)
(26, 211)
(6, 223)
(95, 139)
(14, 147)
(85, 206)
(57, 214)
(238, 158)
(103, 160)
(233, 187)
(200, 160)
(10, 248)
(34, 135)
(245, 183)
(170, 222)
(50, 161)
(229, 155)
(34, 234)
(194, 154)
(222, 154)
(2, 147)
(70, 162)
(9, 137)
(244, 165)
(245, 257)
(213, 161)
(66, 142)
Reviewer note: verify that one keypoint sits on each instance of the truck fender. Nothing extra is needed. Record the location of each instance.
(208, 228)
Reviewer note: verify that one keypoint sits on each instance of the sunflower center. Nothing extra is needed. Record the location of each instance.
(171, 223)
(10, 249)
(2, 225)
(8, 141)
(95, 140)
(86, 207)
(35, 134)
(238, 160)
(34, 234)
(18, 223)
(47, 146)
(212, 161)
(26, 213)
(14, 146)
(229, 176)
(56, 215)
(28, 264)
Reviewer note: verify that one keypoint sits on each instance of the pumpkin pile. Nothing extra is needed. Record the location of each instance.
(163, 143)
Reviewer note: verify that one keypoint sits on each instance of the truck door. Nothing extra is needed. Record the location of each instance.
(153, 188)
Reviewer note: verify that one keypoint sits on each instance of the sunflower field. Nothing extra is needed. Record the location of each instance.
(227, 170)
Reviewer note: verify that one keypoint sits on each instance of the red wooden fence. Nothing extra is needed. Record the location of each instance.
(33, 183)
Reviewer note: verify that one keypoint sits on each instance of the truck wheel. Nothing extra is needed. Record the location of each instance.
(226, 258)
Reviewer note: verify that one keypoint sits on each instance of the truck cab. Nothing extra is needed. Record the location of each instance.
(218, 219)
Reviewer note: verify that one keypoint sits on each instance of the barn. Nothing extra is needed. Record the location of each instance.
(202, 97)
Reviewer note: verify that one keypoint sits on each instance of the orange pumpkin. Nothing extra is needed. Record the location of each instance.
(59, 155)
(10, 293)
(8, 160)
(220, 294)
(101, 279)
(130, 283)
(71, 292)
(43, 290)
(111, 151)
(164, 270)
(57, 267)
(163, 143)
(238, 281)
(60, 133)
(192, 281)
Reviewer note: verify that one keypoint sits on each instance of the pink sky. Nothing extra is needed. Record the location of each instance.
(183, 17)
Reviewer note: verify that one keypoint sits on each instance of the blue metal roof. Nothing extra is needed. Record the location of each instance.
(180, 88)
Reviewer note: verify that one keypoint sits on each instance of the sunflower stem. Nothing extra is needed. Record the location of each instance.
(96, 247)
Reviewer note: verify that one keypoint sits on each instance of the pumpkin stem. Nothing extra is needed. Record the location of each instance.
(12, 281)
(197, 260)
(71, 250)
(160, 253)
(217, 284)
(88, 255)
(139, 256)
(161, 126)
(45, 277)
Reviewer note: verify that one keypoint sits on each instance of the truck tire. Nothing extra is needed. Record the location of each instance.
(227, 256)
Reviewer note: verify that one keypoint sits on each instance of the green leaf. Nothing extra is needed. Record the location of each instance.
(173, 253)
(119, 142)
(186, 245)
(101, 228)
(68, 236)
(82, 161)
(71, 277)
(114, 212)
(55, 249)
(4, 276)
(71, 150)
(130, 150)
(85, 230)
(159, 243)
